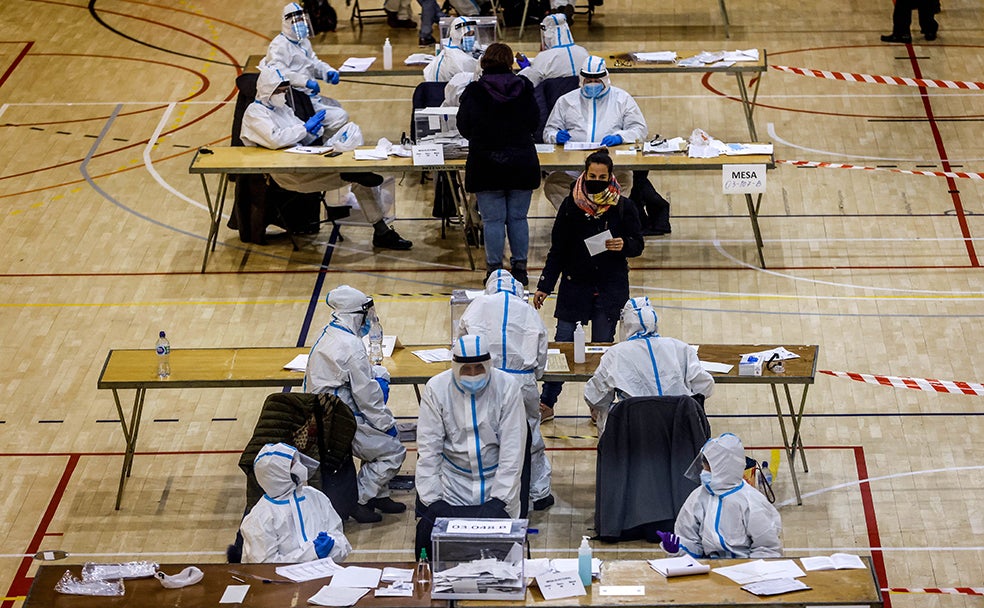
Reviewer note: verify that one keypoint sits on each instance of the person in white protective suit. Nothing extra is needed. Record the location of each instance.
(471, 441)
(725, 517)
(560, 56)
(595, 112)
(292, 522)
(338, 364)
(270, 123)
(644, 364)
(290, 52)
(517, 341)
(457, 55)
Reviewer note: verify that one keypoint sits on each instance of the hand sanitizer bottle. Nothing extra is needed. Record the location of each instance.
(578, 343)
(584, 562)
(387, 55)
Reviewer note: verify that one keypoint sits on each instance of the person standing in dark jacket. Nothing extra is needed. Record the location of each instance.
(498, 115)
(592, 287)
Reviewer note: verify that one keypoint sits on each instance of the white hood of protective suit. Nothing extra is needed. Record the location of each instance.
(595, 65)
(639, 318)
(275, 465)
(501, 280)
(347, 303)
(726, 456)
(286, 27)
(555, 32)
(266, 83)
(457, 33)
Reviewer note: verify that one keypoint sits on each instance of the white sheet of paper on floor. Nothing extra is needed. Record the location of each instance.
(557, 585)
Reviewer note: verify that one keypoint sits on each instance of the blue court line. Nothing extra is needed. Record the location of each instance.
(316, 292)
(818, 314)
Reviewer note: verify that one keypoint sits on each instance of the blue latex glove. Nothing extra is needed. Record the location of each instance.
(563, 136)
(313, 85)
(313, 124)
(522, 61)
(611, 140)
(393, 432)
(331, 77)
(670, 541)
(385, 385)
(323, 544)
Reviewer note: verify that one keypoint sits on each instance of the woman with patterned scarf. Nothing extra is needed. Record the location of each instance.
(592, 287)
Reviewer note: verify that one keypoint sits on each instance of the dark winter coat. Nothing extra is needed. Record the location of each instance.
(498, 116)
(582, 276)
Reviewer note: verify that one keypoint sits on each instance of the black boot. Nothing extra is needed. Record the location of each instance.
(518, 271)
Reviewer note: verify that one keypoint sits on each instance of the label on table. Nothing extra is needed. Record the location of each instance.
(428, 154)
(607, 590)
(743, 179)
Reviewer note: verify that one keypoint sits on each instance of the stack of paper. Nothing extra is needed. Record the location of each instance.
(337, 596)
(308, 571)
(837, 561)
(761, 570)
(656, 57)
(739, 55)
(433, 355)
(480, 576)
(775, 586)
(356, 64)
(678, 566)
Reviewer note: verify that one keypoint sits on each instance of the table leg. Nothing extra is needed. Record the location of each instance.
(416, 391)
(461, 204)
(797, 441)
(522, 24)
(727, 24)
(753, 214)
(746, 103)
(215, 213)
(129, 435)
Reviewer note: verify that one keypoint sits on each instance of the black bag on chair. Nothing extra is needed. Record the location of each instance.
(323, 15)
(654, 210)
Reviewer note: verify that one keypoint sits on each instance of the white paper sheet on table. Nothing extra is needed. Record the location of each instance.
(716, 368)
(545, 148)
(596, 243)
(298, 363)
(398, 589)
(775, 586)
(677, 144)
(356, 64)
(419, 59)
(309, 149)
(747, 149)
(656, 56)
(337, 596)
(308, 571)
(739, 55)
(765, 355)
(837, 561)
(678, 566)
(433, 355)
(374, 154)
(557, 585)
(535, 567)
(582, 145)
(234, 594)
(357, 576)
(392, 575)
(760, 570)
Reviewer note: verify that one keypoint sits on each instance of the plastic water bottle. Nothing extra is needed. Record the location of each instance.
(767, 472)
(163, 356)
(376, 342)
(584, 562)
(387, 55)
(423, 569)
(578, 343)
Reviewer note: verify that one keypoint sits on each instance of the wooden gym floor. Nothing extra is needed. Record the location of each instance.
(103, 102)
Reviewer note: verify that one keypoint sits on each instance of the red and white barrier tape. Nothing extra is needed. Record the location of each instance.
(874, 79)
(943, 590)
(823, 165)
(918, 384)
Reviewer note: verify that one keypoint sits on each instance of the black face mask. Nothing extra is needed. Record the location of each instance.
(595, 186)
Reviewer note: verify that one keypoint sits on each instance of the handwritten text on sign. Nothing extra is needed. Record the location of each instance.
(743, 179)
(474, 526)
(428, 155)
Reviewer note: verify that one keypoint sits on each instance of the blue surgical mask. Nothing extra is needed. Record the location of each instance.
(301, 29)
(705, 478)
(593, 90)
(366, 326)
(473, 384)
(468, 43)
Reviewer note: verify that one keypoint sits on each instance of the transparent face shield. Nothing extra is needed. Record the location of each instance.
(299, 23)
(696, 467)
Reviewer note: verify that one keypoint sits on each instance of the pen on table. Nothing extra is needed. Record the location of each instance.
(236, 578)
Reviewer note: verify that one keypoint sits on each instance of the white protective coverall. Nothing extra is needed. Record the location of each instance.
(283, 524)
(645, 364)
(453, 59)
(471, 446)
(292, 54)
(338, 364)
(269, 123)
(517, 340)
(727, 518)
(590, 119)
(560, 57)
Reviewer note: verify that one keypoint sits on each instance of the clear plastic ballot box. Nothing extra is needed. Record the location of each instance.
(478, 559)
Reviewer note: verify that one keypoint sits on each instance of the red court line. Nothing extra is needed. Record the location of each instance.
(871, 523)
(941, 150)
(16, 61)
(21, 584)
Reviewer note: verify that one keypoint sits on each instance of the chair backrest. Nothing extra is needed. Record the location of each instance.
(643, 454)
(426, 95)
(546, 94)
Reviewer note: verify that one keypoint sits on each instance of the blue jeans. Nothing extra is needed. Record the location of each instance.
(430, 15)
(505, 211)
(602, 330)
